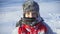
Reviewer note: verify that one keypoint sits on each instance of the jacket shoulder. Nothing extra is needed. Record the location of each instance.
(19, 23)
(42, 27)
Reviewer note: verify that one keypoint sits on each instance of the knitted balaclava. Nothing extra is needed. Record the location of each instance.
(30, 5)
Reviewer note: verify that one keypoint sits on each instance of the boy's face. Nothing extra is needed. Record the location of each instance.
(30, 14)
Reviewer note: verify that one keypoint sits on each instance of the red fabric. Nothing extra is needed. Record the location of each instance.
(33, 30)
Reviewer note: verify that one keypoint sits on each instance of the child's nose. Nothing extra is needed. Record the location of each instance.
(31, 15)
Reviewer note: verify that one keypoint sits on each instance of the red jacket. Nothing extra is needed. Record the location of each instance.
(37, 29)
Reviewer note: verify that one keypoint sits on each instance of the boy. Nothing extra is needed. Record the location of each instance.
(31, 23)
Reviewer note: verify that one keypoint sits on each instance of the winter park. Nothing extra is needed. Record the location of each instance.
(11, 12)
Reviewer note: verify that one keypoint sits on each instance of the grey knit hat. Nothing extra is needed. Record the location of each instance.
(30, 5)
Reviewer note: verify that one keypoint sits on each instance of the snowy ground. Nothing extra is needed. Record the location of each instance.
(10, 13)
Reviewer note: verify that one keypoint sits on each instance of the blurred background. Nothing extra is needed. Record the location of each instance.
(11, 12)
